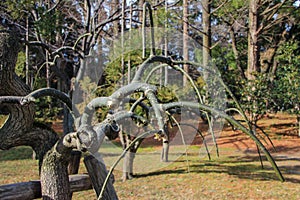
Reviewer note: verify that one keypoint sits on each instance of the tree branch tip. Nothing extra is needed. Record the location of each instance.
(150, 90)
(112, 103)
(27, 100)
(71, 140)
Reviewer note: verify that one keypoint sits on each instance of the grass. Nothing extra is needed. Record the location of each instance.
(231, 176)
(17, 165)
(226, 177)
(236, 174)
(3, 118)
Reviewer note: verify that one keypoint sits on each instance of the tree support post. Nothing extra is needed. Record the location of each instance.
(97, 172)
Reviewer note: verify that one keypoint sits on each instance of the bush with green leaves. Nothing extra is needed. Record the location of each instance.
(287, 81)
(256, 95)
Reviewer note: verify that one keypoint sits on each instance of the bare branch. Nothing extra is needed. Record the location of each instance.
(219, 7)
(50, 10)
(37, 94)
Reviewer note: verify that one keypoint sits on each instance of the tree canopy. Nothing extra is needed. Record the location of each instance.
(100, 56)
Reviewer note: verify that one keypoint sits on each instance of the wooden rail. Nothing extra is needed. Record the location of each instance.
(32, 189)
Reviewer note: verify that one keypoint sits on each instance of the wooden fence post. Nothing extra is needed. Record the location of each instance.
(32, 190)
(97, 172)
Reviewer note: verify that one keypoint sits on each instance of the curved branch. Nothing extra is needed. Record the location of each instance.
(153, 101)
(233, 122)
(146, 64)
(121, 156)
(113, 100)
(138, 103)
(172, 63)
(50, 10)
(122, 115)
(153, 70)
(203, 139)
(182, 138)
(43, 92)
(10, 99)
(23, 100)
(64, 48)
(89, 110)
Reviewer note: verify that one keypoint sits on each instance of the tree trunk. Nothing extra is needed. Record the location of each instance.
(166, 145)
(206, 17)
(97, 172)
(253, 45)
(21, 118)
(298, 121)
(54, 174)
(166, 42)
(123, 26)
(32, 189)
(129, 156)
(165, 150)
(206, 39)
(185, 39)
(20, 128)
(128, 159)
(27, 70)
(236, 53)
(128, 165)
(116, 24)
(141, 4)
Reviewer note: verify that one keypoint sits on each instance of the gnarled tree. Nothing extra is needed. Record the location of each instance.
(20, 128)
(16, 101)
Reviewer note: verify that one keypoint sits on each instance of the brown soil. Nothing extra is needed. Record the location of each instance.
(280, 128)
(239, 183)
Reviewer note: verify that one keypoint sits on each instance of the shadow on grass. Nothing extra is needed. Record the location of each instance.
(18, 153)
(162, 172)
(283, 125)
(244, 171)
(248, 167)
(255, 172)
(240, 166)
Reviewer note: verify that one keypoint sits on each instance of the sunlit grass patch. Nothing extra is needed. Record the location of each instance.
(233, 175)
(18, 153)
(17, 165)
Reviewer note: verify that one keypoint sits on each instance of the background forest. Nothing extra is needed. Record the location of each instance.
(85, 49)
(254, 44)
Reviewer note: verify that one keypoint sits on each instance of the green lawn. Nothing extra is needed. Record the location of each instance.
(234, 175)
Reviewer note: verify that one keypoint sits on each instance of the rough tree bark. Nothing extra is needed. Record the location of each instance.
(206, 31)
(298, 121)
(236, 52)
(20, 128)
(54, 174)
(185, 38)
(253, 44)
(20, 117)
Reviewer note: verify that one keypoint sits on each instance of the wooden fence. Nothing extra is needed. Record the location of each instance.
(79, 182)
